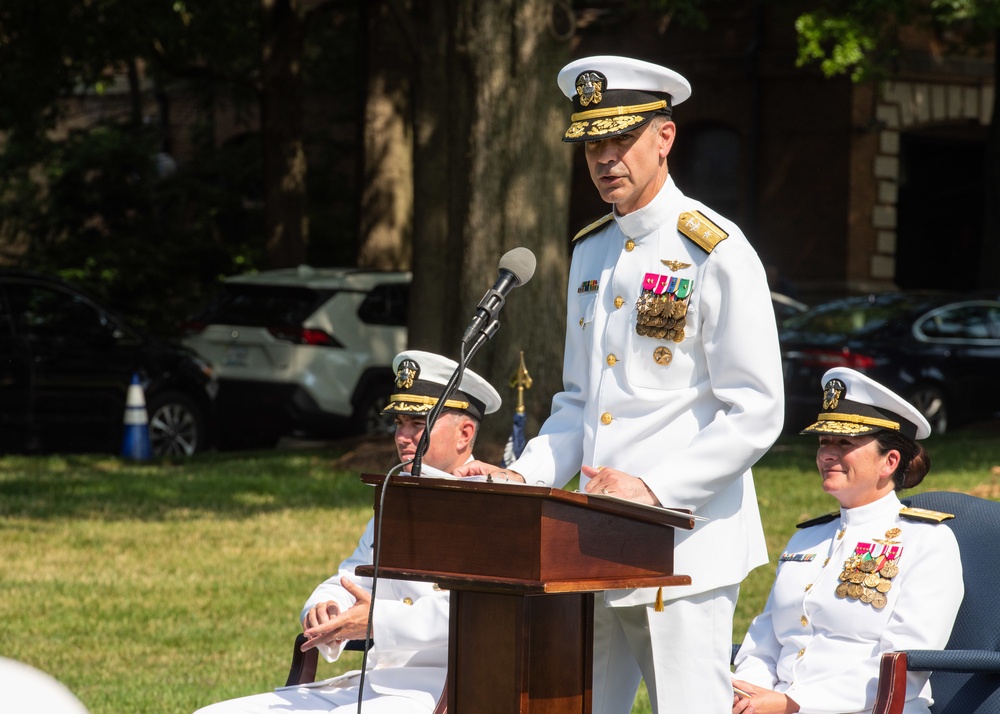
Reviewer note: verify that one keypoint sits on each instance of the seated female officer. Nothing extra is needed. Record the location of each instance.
(871, 578)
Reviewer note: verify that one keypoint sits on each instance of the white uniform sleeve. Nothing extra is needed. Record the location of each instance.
(757, 660)
(554, 456)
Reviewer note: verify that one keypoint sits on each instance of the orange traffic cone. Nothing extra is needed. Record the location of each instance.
(135, 444)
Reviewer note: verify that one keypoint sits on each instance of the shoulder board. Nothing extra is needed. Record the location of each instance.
(922, 514)
(592, 227)
(705, 234)
(819, 520)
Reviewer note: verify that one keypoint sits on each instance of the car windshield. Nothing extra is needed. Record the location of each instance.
(855, 316)
(263, 305)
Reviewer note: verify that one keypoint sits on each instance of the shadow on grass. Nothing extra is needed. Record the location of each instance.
(225, 484)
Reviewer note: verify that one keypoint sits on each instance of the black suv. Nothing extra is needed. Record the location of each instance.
(65, 367)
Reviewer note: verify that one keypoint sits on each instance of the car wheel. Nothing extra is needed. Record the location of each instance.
(929, 401)
(176, 425)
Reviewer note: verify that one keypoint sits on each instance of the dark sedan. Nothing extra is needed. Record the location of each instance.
(941, 352)
(65, 366)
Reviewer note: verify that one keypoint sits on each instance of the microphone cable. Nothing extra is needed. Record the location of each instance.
(376, 551)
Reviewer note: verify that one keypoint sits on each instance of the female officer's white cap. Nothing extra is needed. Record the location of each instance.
(855, 404)
(612, 95)
(421, 378)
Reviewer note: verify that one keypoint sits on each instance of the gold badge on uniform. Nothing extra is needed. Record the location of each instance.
(675, 265)
(868, 577)
(661, 310)
(662, 355)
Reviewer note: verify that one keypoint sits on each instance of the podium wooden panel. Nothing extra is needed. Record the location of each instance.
(523, 564)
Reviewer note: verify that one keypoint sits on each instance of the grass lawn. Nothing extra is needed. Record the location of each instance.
(164, 586)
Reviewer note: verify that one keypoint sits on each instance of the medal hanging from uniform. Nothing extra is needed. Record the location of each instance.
(662, 306)
(868, 577)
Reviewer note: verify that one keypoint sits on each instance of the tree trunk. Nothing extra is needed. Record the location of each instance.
(386, 216)
(281, 133)
(491, 174)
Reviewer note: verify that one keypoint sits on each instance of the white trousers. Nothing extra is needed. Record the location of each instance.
(334, 699)
(682, 653)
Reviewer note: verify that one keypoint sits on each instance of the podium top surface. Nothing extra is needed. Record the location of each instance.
(674, 518)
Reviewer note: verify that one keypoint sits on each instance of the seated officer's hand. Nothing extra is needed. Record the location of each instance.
(351, 624)
(761, 701)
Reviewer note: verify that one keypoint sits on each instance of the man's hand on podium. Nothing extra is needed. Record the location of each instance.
(493, 473)
(324, 624)
(609, 482)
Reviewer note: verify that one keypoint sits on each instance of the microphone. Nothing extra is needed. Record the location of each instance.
(515, 268)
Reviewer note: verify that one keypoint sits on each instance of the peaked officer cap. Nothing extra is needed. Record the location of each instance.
(421, 378)
(613, 95)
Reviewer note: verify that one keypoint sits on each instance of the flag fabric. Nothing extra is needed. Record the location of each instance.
(516, 441)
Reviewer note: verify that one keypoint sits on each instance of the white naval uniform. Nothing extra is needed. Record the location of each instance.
(691, 429)
(823, 651)
(407, 663)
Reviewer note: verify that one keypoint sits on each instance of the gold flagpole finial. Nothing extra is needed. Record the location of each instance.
(521, 380)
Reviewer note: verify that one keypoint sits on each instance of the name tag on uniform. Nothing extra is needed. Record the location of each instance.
(796, 557)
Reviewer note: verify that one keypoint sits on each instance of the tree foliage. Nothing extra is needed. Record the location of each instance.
(859, 38)
(103, 202)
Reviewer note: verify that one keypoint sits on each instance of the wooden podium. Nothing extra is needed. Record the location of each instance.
(523, 563)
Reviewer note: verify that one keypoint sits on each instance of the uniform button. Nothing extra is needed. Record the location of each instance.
(629, 245)
(606, 418)
(840, 534)
(407, 601)
(805, 621)
(802, 651)
(612, 360)
(808, 587)
(581, 322)
(619, 301)
(826, 562)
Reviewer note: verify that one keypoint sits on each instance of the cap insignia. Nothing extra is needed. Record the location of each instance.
(589, 86)
(408, 371)
(832, 393)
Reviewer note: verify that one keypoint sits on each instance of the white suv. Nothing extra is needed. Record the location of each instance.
(302, 350)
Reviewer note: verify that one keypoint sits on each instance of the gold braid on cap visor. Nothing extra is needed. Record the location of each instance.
(428, 401)
(618, 111)
(610, 120)
(858, 419)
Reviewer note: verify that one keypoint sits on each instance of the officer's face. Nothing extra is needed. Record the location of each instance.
(630, 168)
(446, 441)
(853, 471)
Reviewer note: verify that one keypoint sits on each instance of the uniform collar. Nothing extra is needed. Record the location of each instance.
(652, 216)
(886, 507)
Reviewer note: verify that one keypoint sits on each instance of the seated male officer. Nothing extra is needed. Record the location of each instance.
(409, 659)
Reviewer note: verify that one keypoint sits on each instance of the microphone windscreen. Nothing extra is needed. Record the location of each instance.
(520, 262)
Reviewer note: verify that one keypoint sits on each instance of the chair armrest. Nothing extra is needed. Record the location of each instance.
(981, 661)
(891, 694)
(303, 669)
